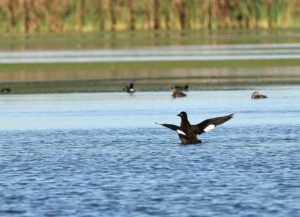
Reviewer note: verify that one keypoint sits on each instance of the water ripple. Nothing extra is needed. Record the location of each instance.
(248, 167)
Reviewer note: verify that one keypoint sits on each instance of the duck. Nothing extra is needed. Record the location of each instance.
(257, 95)
(188, 133)
(5, 90)
(177, 93)
(129, 89)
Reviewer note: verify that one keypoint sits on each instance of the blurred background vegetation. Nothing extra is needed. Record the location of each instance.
(120, 15)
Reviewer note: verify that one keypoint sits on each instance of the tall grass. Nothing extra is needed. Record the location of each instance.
(119, 15)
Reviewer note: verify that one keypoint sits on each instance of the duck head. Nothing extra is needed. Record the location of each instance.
(255, 93)
(183, 115)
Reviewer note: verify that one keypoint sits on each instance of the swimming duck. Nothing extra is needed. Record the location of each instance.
(256, 95)
(5, 90)
(176, 93)
(188, 133)
(129, 89)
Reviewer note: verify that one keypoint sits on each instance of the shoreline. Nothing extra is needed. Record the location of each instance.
(100, 87)
(147, 76)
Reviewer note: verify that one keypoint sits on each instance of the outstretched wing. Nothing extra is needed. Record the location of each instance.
(210, 124)
(175, 128)
(170, 126)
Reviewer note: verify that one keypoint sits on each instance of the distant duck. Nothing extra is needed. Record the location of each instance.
(5, 90)
(188, 133)
(256, 95)
(181, 88)
(129, 89)
(177, 94)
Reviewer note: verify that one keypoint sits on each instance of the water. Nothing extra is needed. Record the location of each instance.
(116, 40)
(100, 154)
(168, 53)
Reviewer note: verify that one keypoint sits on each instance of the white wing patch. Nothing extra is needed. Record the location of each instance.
(209, 127)
(180, 132)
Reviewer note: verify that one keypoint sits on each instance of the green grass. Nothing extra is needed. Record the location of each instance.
(116, 66)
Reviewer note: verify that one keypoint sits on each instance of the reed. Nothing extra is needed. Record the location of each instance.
(120, 15)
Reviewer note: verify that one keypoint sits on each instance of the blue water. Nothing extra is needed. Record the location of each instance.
(100, 154)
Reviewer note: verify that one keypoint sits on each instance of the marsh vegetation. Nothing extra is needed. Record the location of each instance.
(119, 15)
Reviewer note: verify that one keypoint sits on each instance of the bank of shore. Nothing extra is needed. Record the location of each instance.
(148, 76)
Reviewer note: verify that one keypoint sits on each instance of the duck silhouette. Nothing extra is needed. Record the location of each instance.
(257, 95)
(177, 94)
(188, 133)
(129, 89)
(5, 90)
